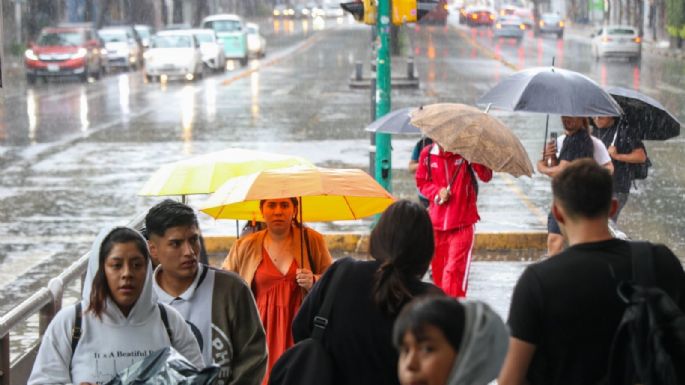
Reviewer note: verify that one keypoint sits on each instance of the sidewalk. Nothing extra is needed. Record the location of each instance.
(656, 48)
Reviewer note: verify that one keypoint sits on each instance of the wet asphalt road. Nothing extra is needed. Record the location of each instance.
(73, 156)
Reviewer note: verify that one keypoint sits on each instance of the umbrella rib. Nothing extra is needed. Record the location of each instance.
(350, 208)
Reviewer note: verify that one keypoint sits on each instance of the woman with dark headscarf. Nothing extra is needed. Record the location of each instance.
(371, 294)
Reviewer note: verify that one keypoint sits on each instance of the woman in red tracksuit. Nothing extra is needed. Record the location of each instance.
(446, 179)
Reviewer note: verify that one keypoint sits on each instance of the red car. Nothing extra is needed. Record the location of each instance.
(65, 51)
(476, 16)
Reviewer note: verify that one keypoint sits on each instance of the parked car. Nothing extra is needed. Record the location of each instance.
(437, 15)
(552, 23)
(124, 49)
(617, 41)
(232, 33)
(256, 44)
(145, 32)
(174, 54)
(478, 15)
(65, 51)
(509, 27)
(212, 51)
(301, 11)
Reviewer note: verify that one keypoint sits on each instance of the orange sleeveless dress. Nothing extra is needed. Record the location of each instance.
(278, 298)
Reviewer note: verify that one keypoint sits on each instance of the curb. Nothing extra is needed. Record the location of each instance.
(359, 242)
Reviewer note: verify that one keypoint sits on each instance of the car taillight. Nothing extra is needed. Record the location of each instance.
(522, 27)
(638, 40)
(445, 6)
(474, 16)
(492, 17)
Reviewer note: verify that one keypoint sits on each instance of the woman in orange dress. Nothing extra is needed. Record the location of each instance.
(269, 261)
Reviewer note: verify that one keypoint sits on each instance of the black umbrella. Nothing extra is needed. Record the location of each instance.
(551, 90)
(395, 122)
(645, 116)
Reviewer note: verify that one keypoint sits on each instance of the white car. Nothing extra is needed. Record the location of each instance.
(256, 44)
(617, 41)
(173, 54)
(212, 50)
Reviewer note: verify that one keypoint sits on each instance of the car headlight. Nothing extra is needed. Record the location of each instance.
(29, 54)
(81, 53)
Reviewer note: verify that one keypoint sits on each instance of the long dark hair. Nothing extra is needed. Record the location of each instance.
(403, 242)
(100, 290)
(445, 313)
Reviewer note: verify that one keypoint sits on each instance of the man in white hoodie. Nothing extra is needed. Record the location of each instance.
(218, 305)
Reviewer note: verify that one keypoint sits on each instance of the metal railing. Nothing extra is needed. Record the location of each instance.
(46, 302)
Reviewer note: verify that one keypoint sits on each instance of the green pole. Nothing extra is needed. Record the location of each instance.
(383, 88)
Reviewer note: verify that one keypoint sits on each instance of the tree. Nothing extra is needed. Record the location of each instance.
(675, 20)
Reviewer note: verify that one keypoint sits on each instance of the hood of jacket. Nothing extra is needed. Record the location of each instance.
(483, 346)
(112, 315)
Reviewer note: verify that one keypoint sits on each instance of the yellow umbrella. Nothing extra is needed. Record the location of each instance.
(326, 194)
(203, 174)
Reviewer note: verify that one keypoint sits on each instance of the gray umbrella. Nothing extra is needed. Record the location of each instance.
(395, 122)
(551, 90)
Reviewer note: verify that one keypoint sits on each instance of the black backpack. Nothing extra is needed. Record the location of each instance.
(308, 362)
(649, 344)
(640, 170)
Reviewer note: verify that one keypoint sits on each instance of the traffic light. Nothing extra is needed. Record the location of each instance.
(411, 11)
(362, 10)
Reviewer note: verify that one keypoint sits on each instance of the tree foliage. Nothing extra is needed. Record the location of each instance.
(675, 16)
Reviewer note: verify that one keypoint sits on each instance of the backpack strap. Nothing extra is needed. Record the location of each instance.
(76, 330)
(643, 266)
(165, 320)
(322, 318)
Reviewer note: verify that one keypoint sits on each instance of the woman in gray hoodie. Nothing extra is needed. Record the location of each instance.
(443, 341)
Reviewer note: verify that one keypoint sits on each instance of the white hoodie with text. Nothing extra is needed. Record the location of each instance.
(112, 343)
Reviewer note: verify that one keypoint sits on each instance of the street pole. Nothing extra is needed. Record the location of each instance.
(383, 167)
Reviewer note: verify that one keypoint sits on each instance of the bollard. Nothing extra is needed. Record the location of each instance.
(410, 68)
(358, 70)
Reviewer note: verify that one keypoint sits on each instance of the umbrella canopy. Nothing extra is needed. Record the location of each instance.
(553, 91)
(644, 115)
(203, 174)
(327, 194)
(395, 122)
(475, 135)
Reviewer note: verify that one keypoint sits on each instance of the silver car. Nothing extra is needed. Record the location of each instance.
(256, 44)
(552, 23)
(617, 41)
(509, 27)
(124, 49)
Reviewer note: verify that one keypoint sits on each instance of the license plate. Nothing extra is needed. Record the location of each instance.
(53, 67)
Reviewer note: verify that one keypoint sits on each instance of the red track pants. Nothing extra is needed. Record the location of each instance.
(452, 260)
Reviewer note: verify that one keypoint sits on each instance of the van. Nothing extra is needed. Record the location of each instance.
(231, 31)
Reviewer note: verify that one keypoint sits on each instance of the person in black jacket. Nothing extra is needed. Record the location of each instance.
(371, 295)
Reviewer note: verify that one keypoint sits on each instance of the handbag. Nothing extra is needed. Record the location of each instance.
(308, 362)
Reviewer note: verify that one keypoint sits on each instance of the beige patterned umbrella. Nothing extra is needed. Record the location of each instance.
(475, 135)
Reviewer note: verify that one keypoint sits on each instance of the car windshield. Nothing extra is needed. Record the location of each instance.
(204, 37)
(550, 18)
(60, 39)
(252, 30)
(172, 42)
(621, 31)
(113, 36)
(223, 25)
